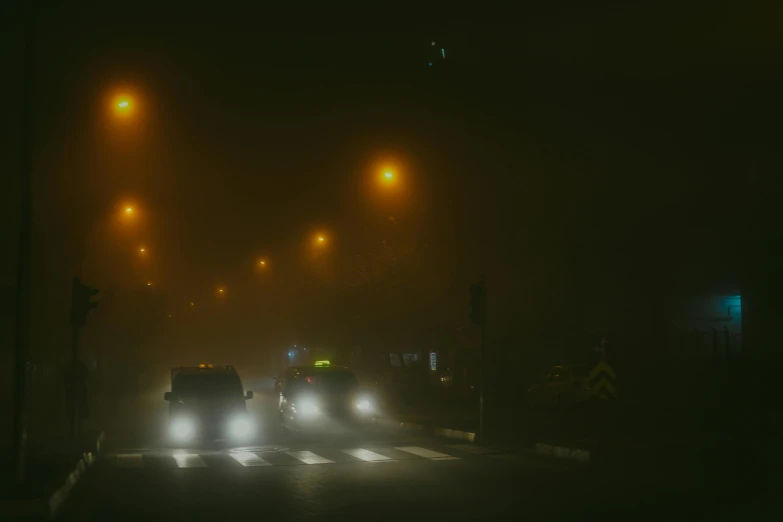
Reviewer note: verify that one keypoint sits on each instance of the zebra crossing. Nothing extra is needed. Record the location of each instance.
(262, 457)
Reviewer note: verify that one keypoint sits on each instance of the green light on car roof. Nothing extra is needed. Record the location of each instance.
(322, 364)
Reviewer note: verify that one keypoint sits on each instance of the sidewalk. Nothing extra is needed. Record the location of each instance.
(52, 469)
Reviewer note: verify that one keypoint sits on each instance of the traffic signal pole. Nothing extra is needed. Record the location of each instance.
(483, 374)
(478, 318)
(22, 326)
(482, 380)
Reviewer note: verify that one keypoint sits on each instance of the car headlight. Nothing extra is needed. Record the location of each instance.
(308, 407)
(240, 427)
(363, 405)
(181, 428)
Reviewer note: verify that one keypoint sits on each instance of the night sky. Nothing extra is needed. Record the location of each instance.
(597, 144)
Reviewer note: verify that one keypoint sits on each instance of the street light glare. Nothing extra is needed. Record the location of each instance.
(388, 175)
(142, 250)
(123, 106)
(129, 210)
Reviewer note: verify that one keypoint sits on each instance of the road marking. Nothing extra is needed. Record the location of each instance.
(189, 460)
(308, 457)
(128, 460)
(427, 454)
(248, 459)
(366, 455)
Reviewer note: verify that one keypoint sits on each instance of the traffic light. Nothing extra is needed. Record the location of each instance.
(80, 302)
(477, 296)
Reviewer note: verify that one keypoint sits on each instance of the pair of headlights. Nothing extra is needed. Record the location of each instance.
(310, 407)
(184, 428)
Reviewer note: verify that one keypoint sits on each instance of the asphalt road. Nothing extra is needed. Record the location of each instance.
(376, 474)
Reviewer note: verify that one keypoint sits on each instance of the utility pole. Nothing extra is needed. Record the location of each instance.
(22, 326)
(76, 371)
(477, 317)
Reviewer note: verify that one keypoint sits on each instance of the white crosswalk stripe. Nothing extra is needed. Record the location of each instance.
(189, 460)
(308, 457)
(425, 453)
(247, 458)
(366, 455)
(129, 460)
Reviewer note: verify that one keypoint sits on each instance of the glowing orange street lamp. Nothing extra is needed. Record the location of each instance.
(262, 262)
(128, 210)
(123, 106)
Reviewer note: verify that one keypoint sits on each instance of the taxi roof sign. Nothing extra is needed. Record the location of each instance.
(322, 364)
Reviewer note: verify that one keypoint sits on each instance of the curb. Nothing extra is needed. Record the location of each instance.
(468, 436)
(580, 455)
(435, 430)
(48, 507)
(56, 501)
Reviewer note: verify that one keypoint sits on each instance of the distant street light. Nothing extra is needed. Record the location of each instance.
(149, 284)
(387, 178)
(262, 262)
(123, 106)
(221, 291)
(192, 304)
(129, 212)
(142, 250)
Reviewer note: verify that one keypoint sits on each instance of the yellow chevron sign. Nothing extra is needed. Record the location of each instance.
(602, 382)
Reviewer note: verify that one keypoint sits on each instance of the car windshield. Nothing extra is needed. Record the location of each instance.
(206, 384)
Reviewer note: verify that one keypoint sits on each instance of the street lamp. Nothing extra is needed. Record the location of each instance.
(128, 211)
(387, 177)
(123, 106)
